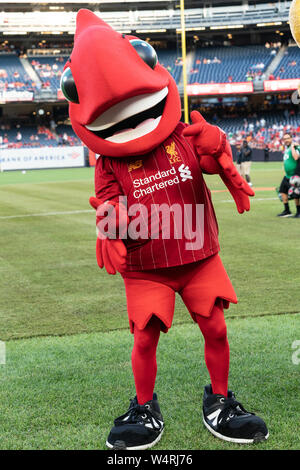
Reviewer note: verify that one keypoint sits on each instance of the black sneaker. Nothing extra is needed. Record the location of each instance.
(138, 429)
(297, 216)
(227, 419)
(285, 214)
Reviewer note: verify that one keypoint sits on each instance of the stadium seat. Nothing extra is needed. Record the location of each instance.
(289, 66)
(229, 64)
(12, 74)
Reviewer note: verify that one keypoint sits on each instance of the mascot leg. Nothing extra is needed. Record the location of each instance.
(216, 349)
(223, 415)
(143, 359)
(206, 291)
(142, 426)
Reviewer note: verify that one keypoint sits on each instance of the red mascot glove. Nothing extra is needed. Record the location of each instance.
(215, 157)
(110, 250)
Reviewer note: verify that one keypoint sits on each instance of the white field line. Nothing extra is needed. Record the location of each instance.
(47, 214)
(255, 199)
(44, 182)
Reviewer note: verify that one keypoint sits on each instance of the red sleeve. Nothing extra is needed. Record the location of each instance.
(106, 184)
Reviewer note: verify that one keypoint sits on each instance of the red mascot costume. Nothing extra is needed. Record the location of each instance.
(156, 223)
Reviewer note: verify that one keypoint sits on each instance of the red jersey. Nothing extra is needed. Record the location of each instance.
(167, 177)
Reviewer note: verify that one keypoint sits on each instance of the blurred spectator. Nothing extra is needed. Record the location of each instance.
(290, 162)
(244, 158)
(65, 138)
(52, 125)
(263, 122)
(266, 153)
(239, 158)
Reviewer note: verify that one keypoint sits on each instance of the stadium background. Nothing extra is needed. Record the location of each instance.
(242, 68)
(65, 369)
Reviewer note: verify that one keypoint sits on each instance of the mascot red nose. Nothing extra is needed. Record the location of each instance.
(155, 218)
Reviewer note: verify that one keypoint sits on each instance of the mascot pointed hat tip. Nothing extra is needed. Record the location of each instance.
(86, 18)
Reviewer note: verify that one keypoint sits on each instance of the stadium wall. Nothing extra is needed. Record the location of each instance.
(42, 157)
(258, 155)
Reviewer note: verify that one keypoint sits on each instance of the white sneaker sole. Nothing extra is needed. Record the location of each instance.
(143, 447)
(234, 439)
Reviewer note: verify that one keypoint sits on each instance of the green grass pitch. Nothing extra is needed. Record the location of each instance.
(64, 321)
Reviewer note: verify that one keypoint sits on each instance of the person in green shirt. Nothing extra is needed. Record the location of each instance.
(291, 167)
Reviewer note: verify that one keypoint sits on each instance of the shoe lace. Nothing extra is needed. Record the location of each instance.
(231, 408)
(139, 414)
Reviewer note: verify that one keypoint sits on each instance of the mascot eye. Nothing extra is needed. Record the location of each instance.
(68, 87)
(145, 51)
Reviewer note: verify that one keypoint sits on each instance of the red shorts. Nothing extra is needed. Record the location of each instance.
(199, 285)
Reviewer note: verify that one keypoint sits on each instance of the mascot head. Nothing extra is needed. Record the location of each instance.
(122, 102)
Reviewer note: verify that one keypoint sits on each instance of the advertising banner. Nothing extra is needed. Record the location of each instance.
(219, 88)
(41, 157)
(14, 95)
(281, 85)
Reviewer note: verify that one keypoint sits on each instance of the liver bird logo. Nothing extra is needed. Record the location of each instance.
(173, 155)
(135, 165)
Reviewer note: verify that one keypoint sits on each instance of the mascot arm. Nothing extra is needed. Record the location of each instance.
(215, 157)
(111, 219)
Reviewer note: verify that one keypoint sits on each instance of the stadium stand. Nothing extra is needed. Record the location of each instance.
(169, 59)
(289, 66)
(12, 74)
(49, 69)
(37, 136)
(230, 64)
(259, 129)
(262, 129)
(209, 65)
